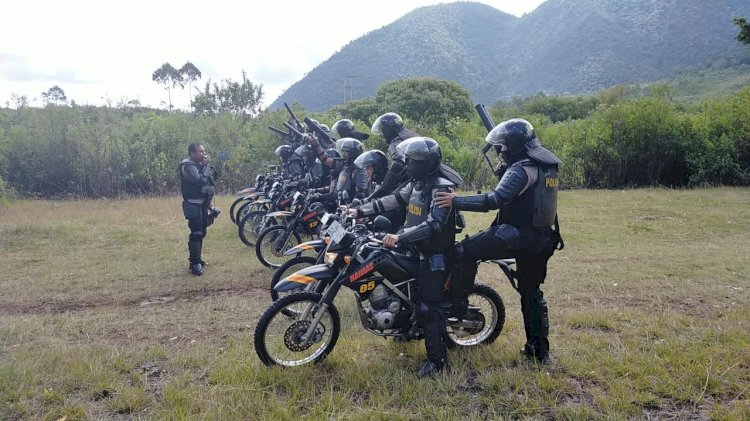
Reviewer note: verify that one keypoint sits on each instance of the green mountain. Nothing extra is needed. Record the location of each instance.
(562, 47)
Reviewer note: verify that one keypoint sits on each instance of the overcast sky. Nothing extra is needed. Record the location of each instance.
(107, 50)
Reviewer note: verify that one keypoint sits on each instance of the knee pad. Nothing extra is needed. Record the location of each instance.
(424, 313)
(196, 235)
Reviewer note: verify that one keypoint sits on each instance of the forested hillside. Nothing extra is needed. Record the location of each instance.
(562, 47)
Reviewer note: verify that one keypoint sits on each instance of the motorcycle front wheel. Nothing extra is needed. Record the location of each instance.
(483, 322)
(279, 338)
(270, 253)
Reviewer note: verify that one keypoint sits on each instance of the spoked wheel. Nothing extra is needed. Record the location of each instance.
(269, 249)
(279, 339)
(483, 322)
(252, 224)
(232, 209)
(247, 207)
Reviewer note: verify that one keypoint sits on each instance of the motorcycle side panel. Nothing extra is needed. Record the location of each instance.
(303, 277)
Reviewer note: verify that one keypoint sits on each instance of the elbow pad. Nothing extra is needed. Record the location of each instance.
(422, 231)
(475, 203)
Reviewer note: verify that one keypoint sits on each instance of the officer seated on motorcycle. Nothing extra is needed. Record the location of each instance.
(391, 127)
(375, 164)
(292, 163)
(526, 199)
(428, 228)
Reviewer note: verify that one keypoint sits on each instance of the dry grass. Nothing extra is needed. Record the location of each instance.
(99, 319)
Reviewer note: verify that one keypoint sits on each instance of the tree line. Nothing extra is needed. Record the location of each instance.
(605, 140)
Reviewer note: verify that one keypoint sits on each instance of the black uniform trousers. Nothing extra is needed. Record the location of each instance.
(197, 217)
(531, 254)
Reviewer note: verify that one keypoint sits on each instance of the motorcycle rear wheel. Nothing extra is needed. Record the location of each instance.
(483, 322)
(278, 337)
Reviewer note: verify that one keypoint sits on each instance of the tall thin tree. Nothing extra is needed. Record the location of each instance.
(168, 76)
(190, 73)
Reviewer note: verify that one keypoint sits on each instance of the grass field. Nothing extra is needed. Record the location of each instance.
(99, 319)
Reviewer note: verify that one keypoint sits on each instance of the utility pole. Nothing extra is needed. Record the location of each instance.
(348, 88)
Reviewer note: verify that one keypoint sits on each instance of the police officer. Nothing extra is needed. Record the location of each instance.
(292, 163)
(351, 179)
(197, 186)
(526, 198)
(431, 229)
(375, 165)
(391, 127)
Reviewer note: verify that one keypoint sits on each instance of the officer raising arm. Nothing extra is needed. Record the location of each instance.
(526, 198)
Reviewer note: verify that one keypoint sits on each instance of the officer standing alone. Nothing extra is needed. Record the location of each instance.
(197, 186)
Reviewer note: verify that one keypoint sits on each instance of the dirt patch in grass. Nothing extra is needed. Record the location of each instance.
(59, 307)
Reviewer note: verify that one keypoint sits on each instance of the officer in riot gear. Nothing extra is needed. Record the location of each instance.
(351, 178)
(307, 157)
(526, 199)
(391, 127)
(345, 128)
(431, 229)
(290, 161)
(197, 187)
(375, 164)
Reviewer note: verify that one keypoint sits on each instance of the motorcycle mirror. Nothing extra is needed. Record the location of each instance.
(381, 223)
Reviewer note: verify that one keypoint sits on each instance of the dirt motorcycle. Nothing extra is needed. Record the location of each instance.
(303, 328)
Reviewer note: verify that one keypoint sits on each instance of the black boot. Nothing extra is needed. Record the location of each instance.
(194, 247)
(431, 319)
(536, 324)
(432, 369)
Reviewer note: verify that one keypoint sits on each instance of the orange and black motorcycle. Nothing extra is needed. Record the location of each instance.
(303, 327)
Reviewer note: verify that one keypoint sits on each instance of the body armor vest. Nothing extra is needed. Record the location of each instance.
(189, 189)
(537, 206)
(418, 207)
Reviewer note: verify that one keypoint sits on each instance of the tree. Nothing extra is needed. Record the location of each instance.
(169, 77)
(238, 98)
(426, 100)
(190, 73)
(744, 25)
(54, 95)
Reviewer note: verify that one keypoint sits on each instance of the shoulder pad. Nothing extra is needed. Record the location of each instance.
(443, 182)
(186, 161)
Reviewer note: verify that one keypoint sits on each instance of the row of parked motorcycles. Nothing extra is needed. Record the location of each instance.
(314, 251)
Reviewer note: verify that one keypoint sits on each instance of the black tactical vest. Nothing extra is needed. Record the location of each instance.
(190, 190)
(537, 206)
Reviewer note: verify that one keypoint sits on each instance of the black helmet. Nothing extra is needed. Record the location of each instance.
(349, 148)
(284, 152)
(375, 159)
(305, 153)
(345, 128)
(514, 134)
(424, 150)
(332, 153)
(387, 125)
(342, 128)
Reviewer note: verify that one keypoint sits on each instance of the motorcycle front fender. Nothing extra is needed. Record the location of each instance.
(316, 245)
(279, 214)
(304, 277)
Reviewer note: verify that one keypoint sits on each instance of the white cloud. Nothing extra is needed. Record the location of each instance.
(96, 50)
